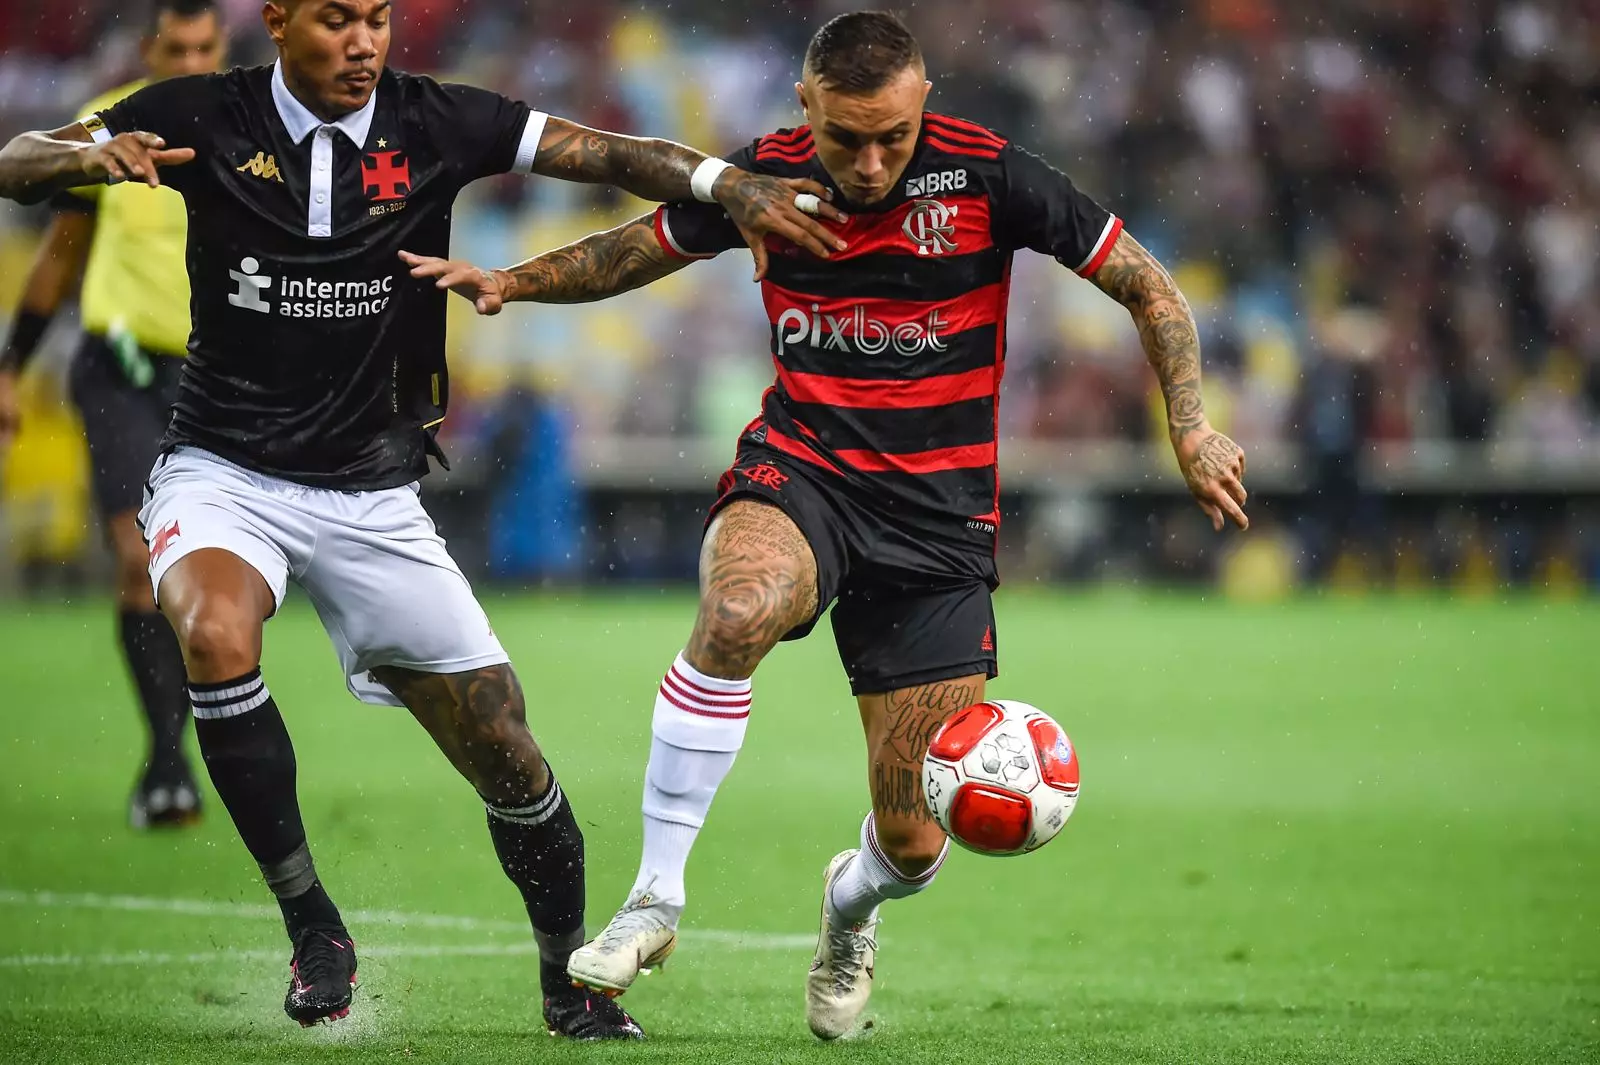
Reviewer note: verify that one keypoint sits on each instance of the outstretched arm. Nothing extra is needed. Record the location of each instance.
(661, 170)
(35, 166)
(1212, 464)
(597, 267)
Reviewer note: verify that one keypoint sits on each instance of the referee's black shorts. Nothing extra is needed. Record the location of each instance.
(122, 422)
(909, 608)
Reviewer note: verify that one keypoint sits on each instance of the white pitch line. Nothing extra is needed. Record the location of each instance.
(206, 908)
(148, 957)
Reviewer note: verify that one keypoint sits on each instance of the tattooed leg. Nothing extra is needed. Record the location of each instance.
(758, 580)
(899, 726)
(479, 721)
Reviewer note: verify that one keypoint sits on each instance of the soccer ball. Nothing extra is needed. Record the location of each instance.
(1001, 777)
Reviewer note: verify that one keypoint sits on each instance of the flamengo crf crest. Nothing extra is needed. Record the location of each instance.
(931, 227)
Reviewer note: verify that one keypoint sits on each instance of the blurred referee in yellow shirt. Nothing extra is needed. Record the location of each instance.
(127, 242)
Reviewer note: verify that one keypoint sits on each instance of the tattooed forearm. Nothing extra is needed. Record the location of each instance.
(650, 168)
(758, 580)
(596, 267)
(1134, 279)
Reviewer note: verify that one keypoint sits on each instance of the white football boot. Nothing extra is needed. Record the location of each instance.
(637, 939)
(840, 981)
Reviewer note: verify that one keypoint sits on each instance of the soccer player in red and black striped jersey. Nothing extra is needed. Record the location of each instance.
(868, 479)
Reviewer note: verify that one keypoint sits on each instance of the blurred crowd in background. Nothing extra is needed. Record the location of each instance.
(1386, 213)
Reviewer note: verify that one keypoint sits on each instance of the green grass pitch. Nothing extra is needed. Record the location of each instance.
(1327, 831)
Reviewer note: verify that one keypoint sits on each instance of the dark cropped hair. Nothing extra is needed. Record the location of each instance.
(184, 9)
(862, 51)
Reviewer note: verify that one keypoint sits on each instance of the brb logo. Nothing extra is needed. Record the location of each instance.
(305, 297)
(856, 333)
(935, 183)
(931, 226)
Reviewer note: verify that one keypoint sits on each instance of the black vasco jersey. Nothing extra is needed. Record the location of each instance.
(889, 355)
(314, 355)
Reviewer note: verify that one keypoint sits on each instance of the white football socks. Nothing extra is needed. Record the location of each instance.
(696, 733)
(871, 878)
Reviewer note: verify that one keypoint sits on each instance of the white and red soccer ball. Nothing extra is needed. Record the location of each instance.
(1001, 777)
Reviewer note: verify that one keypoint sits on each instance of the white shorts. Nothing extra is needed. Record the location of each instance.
(372, 563)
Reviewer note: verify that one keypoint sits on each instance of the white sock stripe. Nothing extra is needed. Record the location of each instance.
(537, 814)
(687, 693)
(710, 685)
(539, 805)
(216, 712)
(214, 696)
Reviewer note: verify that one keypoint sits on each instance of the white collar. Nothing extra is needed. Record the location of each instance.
(301, 123)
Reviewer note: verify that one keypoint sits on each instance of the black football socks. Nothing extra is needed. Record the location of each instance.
(251, 760)
(156, 663)
(541, 850)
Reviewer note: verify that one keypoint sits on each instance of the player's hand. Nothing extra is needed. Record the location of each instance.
(760, 204)
(1213, 467)
(487, 290)
(133, 157)
(10, 408)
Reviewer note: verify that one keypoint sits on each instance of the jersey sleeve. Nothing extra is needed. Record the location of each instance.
(1042, 210)
(483, 133)
(689, 229)
(174, 110)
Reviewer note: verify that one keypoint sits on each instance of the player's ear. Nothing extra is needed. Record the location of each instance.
(800, 94)
(276, 18)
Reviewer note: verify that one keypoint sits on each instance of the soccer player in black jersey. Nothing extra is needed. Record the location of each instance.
(868, 479)
(306, 413)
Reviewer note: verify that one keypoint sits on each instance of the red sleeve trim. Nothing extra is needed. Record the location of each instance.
(1102, 248)
(668, 243)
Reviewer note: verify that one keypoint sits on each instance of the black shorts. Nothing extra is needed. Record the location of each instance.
(122, 422)
(911, 608)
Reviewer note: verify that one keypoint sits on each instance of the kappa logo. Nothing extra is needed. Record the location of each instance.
(931, 227)
(263, 166)
(935, 183)
(766, 475)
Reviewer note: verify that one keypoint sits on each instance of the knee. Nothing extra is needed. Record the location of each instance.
(750, 609)
(913, 848)
(217, 645)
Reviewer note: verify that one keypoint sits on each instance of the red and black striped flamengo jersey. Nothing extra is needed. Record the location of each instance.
(889, 355)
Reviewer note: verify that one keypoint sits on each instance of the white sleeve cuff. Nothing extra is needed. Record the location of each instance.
(528, 149)
(97, 129)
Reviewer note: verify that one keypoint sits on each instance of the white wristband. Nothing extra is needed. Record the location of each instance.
(705, 175)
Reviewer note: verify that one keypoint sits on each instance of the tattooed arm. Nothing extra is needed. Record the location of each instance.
(1212, 464)
(660, 170)
(33, 166)
(597, 267)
